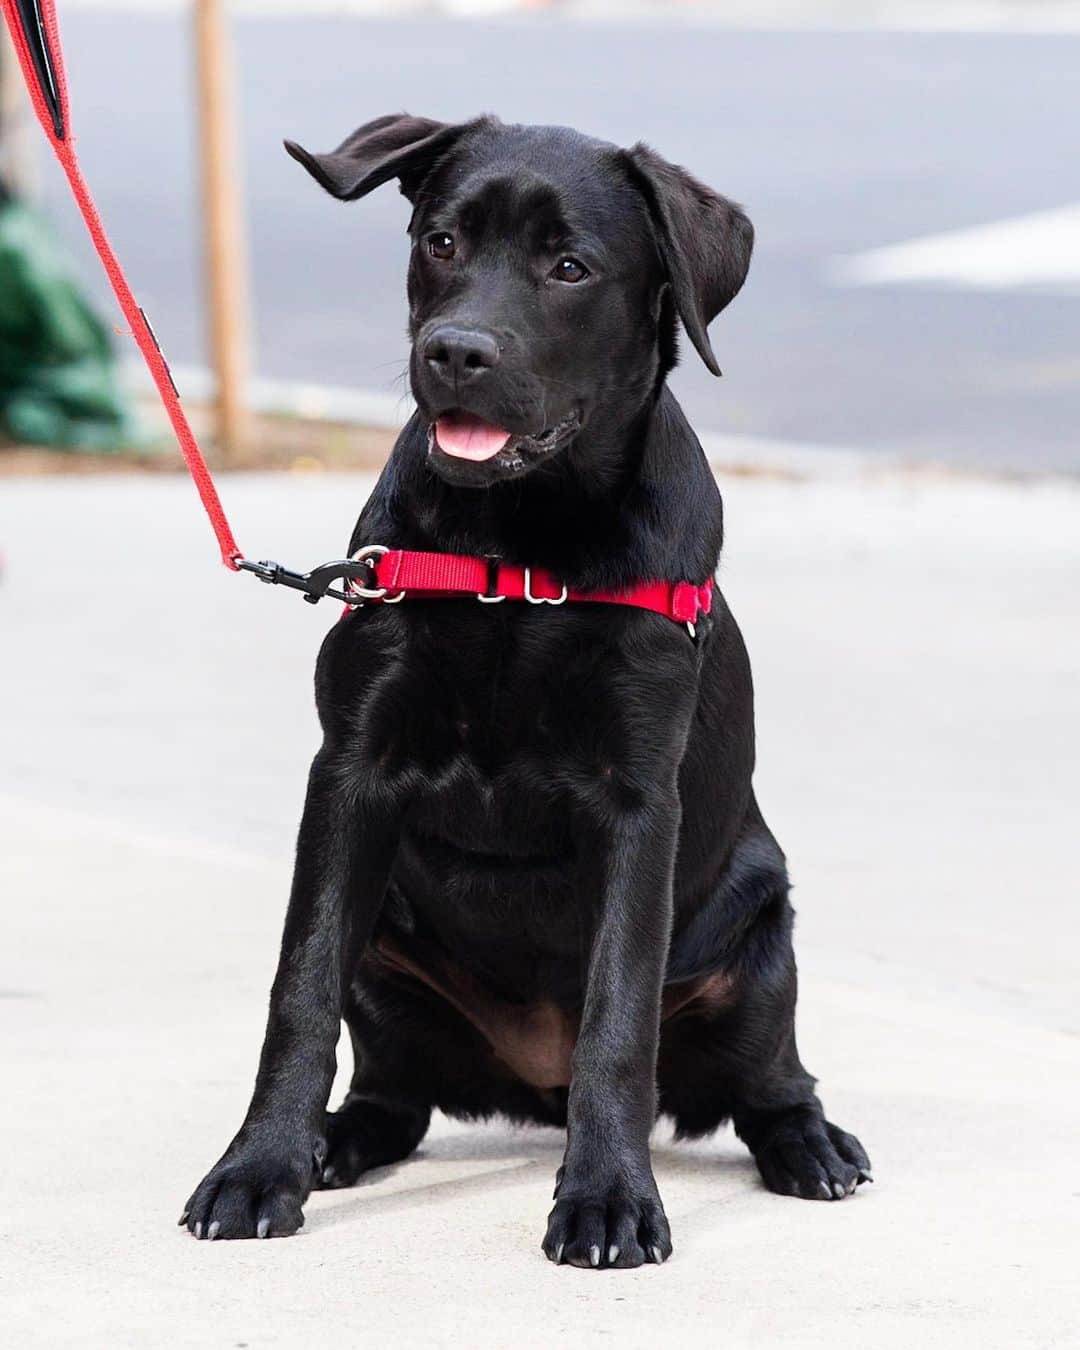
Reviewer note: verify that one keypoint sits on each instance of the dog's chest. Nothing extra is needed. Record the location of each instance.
(493, 707)
(487, 865)
(501, 730)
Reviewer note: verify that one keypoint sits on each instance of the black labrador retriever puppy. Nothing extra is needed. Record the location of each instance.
(531, 874)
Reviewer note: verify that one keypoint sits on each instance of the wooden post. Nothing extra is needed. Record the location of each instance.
(18, 129)
(226, 252)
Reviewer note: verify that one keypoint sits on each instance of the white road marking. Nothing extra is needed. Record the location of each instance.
(1040, 251)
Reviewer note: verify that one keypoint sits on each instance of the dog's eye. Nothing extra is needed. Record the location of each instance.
(569, 269)
(441, 245)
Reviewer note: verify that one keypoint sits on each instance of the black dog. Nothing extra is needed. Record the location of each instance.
(531, 873)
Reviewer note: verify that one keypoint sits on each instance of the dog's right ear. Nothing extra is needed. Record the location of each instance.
(396, 146)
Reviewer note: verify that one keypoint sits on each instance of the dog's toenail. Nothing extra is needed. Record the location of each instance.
(182, 1219)
(558, 1253)
(328, 1174)
(198, 1228)
(865, 1176)
(213, 1230)
(612, 1254)
(657, 1255)
(594, 1256)
(823, 1190)
(839, 1190)
(263, 1229)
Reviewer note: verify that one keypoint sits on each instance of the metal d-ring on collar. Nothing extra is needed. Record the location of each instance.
(366, 555)
(542, 599)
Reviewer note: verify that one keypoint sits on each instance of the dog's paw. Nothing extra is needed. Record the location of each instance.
(617, 1227)
(250, 1193)
(354, 1145)
(367, 1133)
(811, 1158)
(348, 1155)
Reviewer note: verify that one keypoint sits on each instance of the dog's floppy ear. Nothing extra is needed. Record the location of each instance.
(397, 146)
(705, 241)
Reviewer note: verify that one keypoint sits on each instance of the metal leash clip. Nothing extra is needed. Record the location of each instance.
(358, 573)
(318, 582)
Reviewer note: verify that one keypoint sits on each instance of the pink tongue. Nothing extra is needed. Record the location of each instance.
(469, 437)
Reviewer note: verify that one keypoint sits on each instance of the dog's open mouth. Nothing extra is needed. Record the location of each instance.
(464, 435)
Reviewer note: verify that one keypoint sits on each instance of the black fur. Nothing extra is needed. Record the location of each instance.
(533, 828)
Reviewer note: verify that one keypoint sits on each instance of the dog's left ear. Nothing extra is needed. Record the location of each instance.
(397, 146)
(705, 240)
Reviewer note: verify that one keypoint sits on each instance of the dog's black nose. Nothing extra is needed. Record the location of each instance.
(458, 354)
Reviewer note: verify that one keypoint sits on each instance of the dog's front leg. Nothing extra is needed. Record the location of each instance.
(343, 855)
(608, 1210)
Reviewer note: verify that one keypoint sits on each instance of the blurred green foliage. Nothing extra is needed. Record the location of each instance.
(58, 376)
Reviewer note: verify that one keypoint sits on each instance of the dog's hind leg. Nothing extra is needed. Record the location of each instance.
(368, 1131)
(733, 1055)
(376, 1124)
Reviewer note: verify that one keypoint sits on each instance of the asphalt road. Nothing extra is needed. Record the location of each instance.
(838, 142)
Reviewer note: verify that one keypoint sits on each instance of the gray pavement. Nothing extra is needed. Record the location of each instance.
(917, 663)
(837, 141)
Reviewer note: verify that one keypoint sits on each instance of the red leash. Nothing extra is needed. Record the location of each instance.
(34, 32)
(375, 573)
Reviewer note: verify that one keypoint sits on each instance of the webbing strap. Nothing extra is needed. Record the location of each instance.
(432, 574)
(36, 37)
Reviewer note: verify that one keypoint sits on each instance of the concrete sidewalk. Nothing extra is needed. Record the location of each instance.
(917, 657)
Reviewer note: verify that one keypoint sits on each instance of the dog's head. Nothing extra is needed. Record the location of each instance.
(547, 269)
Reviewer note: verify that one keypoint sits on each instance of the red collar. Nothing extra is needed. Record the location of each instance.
(396, 574)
